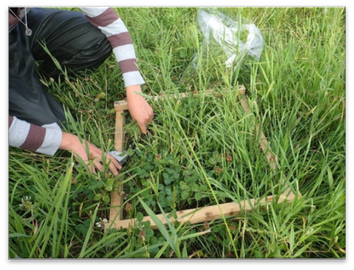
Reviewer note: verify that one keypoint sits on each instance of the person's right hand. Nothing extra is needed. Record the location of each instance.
(71, 142)
(139, 109)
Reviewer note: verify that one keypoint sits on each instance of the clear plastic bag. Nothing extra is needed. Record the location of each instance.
(225, 39)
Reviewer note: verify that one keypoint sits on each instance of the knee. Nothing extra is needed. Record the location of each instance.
(68, 35)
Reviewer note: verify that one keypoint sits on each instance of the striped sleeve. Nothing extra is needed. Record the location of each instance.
(108, 21)
(44, 139)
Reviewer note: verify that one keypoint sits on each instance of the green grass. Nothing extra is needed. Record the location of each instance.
(201, 150)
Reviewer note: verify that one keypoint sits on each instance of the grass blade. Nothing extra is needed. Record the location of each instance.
(88, 234)
(301, 250)
(159, 224)
(52, 214)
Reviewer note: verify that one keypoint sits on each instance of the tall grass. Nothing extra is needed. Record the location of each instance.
(200, 150)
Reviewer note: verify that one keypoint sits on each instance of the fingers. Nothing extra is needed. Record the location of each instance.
(95, 162)
(143, 123)
(114, 165)
(145, 119)
(142, 126)
(140, 111)
(91, 168)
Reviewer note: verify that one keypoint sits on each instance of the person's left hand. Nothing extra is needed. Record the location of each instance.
(139, 108)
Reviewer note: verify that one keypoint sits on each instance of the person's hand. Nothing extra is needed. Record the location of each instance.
(138, 107)
(71, 142)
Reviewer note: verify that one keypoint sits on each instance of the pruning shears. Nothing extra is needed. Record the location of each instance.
(122, 157)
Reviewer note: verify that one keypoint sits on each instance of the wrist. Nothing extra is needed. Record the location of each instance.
(131, 90)
(67, 141)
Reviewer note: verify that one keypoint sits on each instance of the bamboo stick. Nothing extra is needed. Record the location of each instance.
(116, 212)
(265, 145)
(198, 215)
(123, 104)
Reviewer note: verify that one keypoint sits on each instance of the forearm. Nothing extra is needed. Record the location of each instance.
(42, 139)
(118, 35)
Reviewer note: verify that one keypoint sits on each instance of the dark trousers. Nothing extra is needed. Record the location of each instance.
(71, 39)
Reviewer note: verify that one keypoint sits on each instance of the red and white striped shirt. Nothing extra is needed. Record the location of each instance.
(108, 21)
(46, 139)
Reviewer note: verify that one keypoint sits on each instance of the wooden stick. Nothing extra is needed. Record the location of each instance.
(116, 212)
(263, 141)
(119, 107)
(203, 214)
(123, 104)
(265, 145)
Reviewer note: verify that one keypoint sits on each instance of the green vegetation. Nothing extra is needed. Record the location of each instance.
(200, 150)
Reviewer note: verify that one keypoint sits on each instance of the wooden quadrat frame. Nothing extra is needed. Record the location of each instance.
(202, 214)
